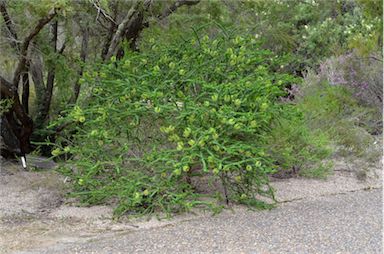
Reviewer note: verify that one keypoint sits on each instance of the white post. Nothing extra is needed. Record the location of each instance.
(23, 162)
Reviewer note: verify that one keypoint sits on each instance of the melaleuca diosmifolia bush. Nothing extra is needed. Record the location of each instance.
(156, 119)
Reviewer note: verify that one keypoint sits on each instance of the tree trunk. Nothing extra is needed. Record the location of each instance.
(83, 57)
(50, 78)
(133, 33)
(122, 29)
(17, 117)
(25, 95)
(21, 124)
(36, 71)
(107, 42)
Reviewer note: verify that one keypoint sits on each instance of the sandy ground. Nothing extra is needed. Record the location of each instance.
(34, 213)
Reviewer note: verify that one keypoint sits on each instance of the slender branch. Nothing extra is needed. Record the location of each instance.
(102, 24)
(103, 12)
(24, 46)
(9, 25)
(113, 5)
(51, 73)
(36, 71)
(375, 58)
(178, 3)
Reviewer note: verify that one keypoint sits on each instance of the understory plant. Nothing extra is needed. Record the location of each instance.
(5, 105)
(297, 149)
(361, 75)
(335, 109)
(154, 121)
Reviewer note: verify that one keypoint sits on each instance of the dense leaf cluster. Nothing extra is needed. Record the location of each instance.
(156, 120)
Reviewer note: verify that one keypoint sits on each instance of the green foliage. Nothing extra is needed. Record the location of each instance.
(156, 119)
(5, 105)
(366, 34)
(362, 76)
(313, 30)
(335, 111)
(297, 148)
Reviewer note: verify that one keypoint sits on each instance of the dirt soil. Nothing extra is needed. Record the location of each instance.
(34, 212)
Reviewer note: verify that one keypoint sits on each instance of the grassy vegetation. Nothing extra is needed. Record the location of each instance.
(334, 110)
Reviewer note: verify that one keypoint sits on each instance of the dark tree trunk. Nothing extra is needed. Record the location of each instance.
(20, 123)
(83, 57)
(107, 42)
(36, 71)
(44, 93)
(132, 34)
(25, 95)
(9, 143)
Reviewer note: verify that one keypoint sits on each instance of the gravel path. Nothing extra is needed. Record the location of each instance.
(339, 215)
(344, 223)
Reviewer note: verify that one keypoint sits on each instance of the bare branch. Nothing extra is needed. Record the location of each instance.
(102, 24)
(178, 3)
(103, 12)
(51, 74)
(110, 30)
(36, 71)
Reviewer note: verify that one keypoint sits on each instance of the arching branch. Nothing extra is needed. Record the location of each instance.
(171, 9)
(24, 46)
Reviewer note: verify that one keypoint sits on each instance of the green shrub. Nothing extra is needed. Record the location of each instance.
(313, 30)
(334, 110)
(298, 150)
(155, 119)
(362, 76)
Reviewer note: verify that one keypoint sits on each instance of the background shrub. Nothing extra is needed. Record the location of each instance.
(362, 75)
(297, 149)
(335, 110)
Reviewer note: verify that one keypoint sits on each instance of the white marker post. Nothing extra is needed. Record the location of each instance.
(23, 162)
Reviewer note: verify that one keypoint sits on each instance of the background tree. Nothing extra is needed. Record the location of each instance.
(41, 57)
